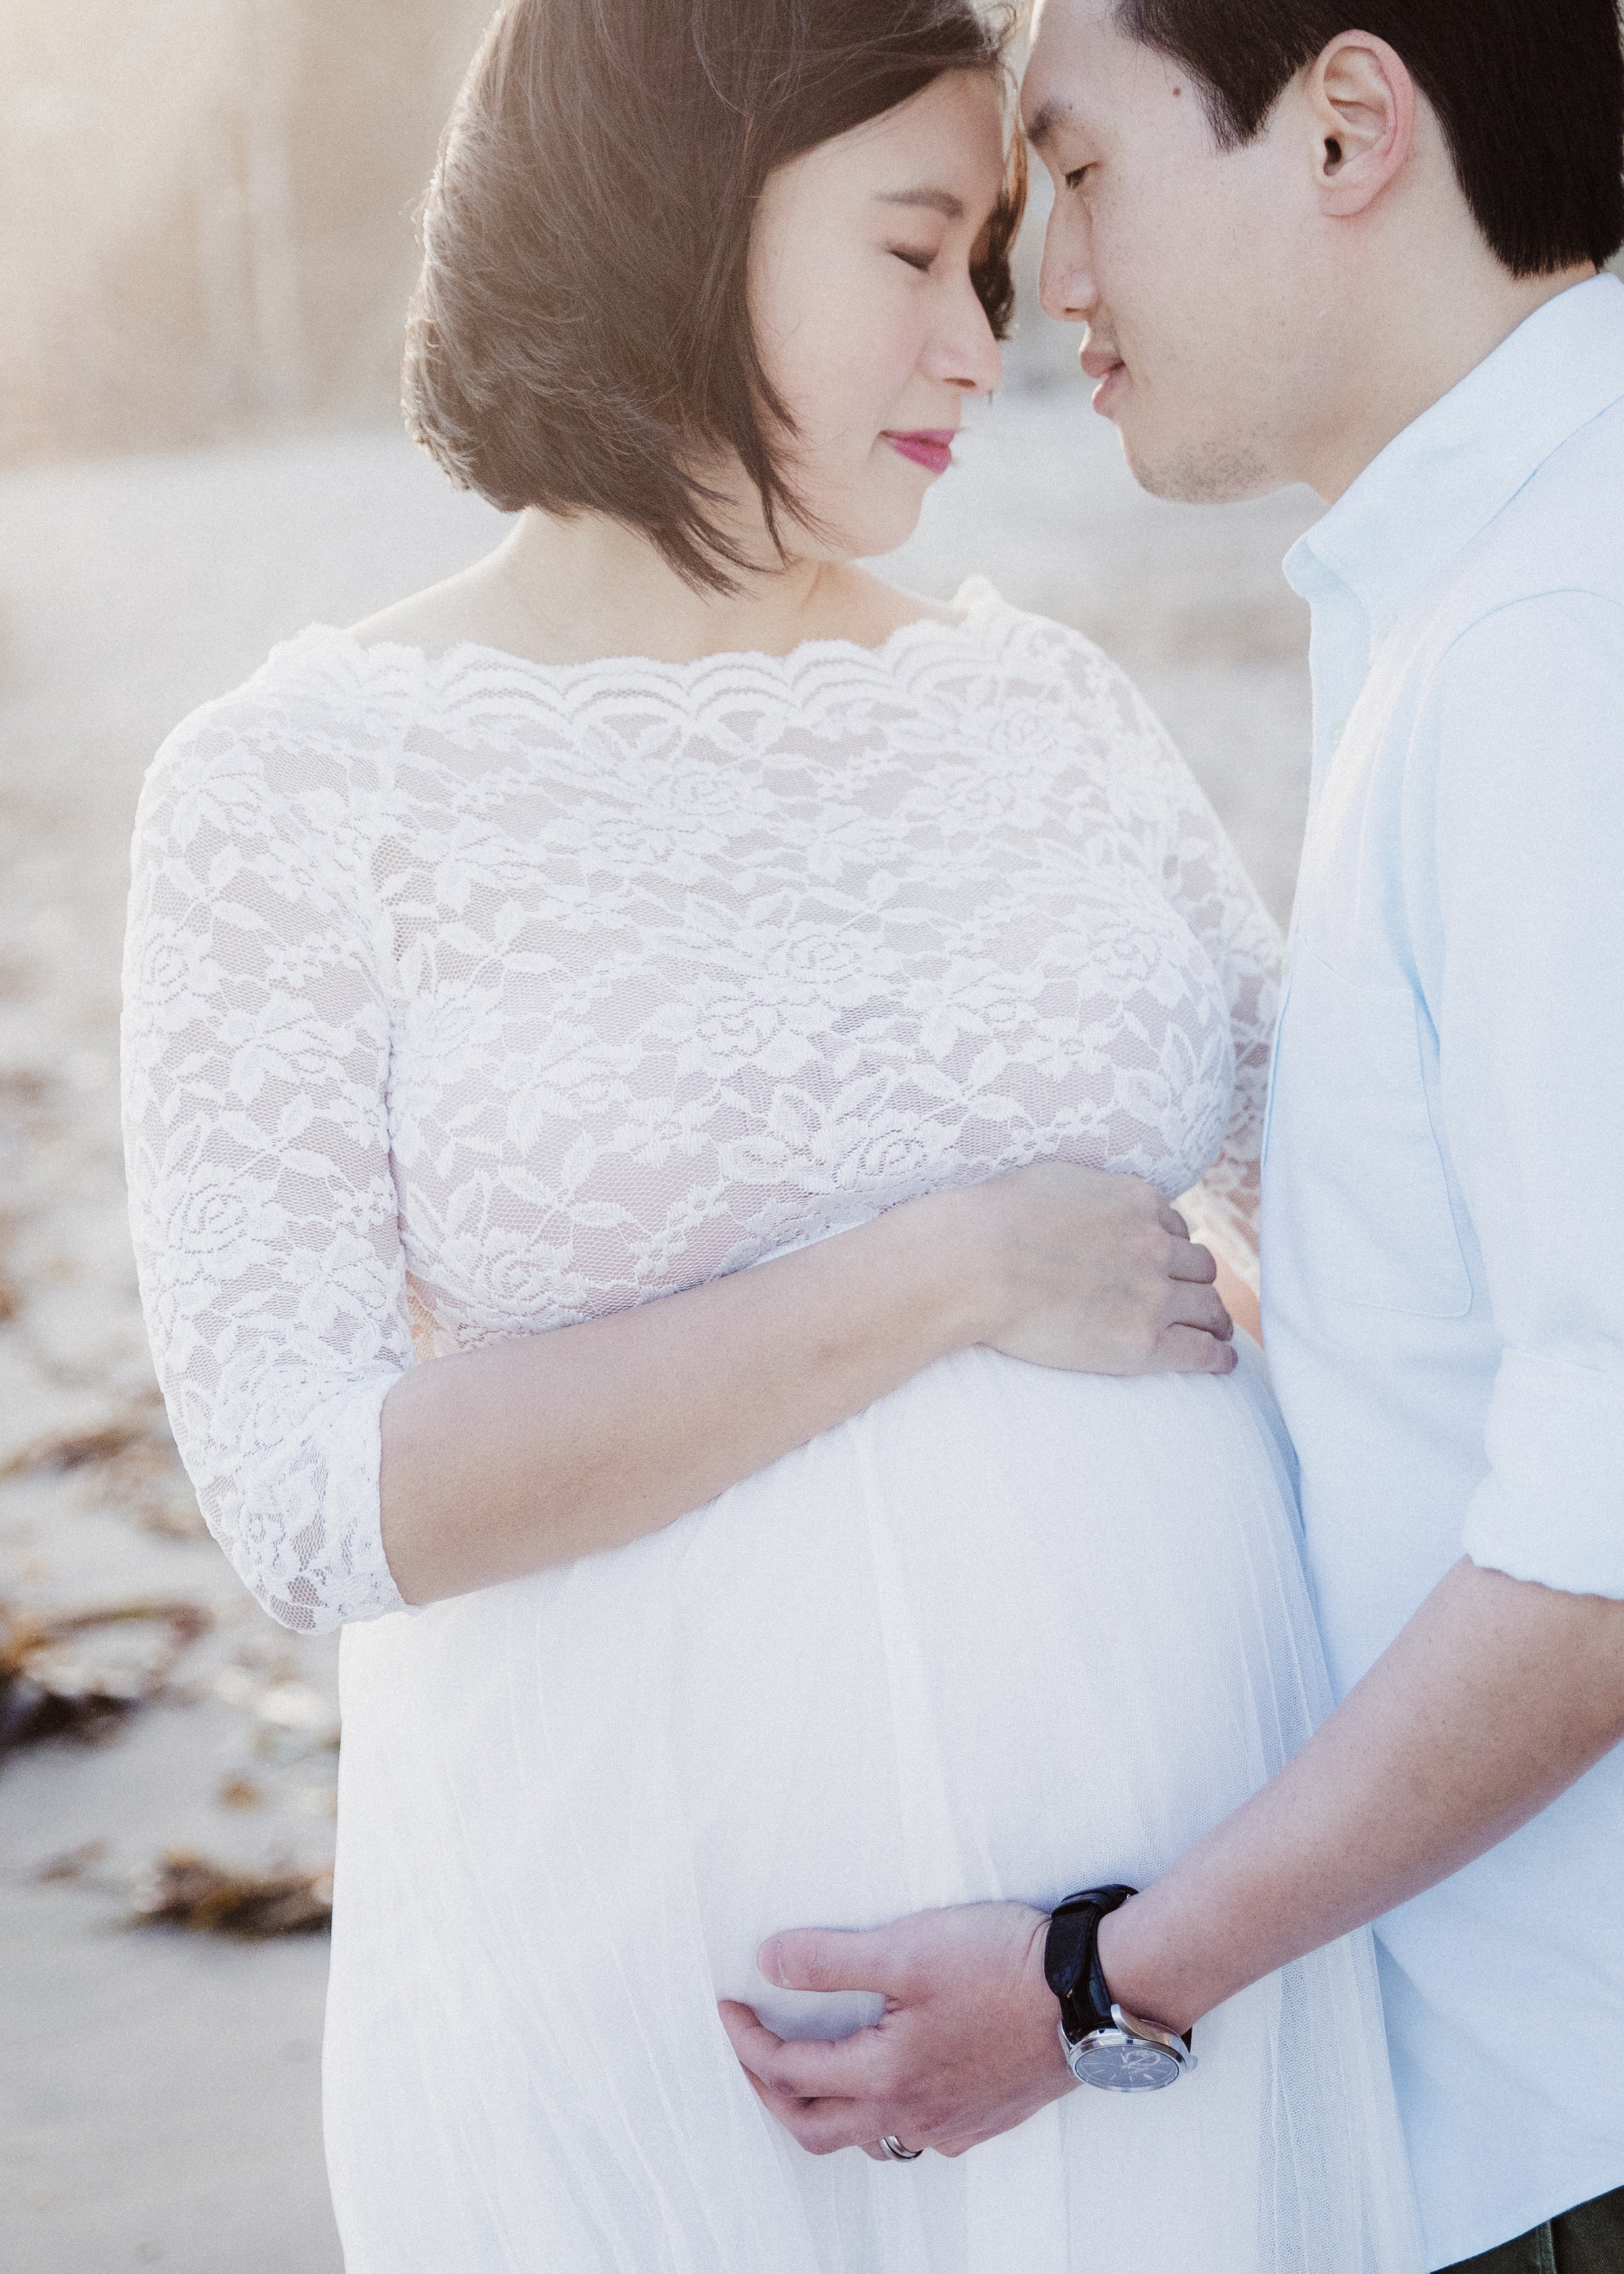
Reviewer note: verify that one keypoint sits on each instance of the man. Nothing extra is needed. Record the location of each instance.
(1367, 258)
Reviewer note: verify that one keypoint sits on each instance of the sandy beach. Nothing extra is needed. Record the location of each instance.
(159, 2089)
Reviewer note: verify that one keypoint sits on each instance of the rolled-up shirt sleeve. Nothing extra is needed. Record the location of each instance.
(255, 1050)
(1527, 712)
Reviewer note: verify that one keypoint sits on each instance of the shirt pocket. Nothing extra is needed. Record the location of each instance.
(1351, 1138)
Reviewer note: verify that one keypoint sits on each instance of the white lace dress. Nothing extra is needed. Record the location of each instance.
(469, 999)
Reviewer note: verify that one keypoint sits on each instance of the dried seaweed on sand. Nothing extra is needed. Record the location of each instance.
(188, 1891)
(131, 1462)
(145, 1479)
(81, 1673)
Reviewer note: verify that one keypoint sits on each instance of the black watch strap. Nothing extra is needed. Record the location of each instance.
(1071, 1959)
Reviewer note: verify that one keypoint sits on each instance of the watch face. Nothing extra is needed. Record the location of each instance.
(1117, 2063)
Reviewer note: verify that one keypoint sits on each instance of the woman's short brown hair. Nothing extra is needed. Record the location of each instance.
(581, 335)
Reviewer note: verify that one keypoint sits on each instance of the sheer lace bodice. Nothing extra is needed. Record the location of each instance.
(470, 998)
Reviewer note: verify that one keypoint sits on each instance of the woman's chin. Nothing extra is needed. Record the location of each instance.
(862, 520)
(887, 524)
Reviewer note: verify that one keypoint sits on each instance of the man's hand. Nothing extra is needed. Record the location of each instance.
(967, 2048)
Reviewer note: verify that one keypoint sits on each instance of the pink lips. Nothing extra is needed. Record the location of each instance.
(930, 447)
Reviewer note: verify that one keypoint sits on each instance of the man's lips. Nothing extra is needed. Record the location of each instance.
(1102, 364)
(930, 447)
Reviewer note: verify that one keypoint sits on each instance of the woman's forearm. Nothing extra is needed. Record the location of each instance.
(533, 1452)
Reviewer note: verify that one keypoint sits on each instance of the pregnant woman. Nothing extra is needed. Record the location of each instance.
(656, 1074)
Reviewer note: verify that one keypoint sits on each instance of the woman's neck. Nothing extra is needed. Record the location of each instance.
(561, 591)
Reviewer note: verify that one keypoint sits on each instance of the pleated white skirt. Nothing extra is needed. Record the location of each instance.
(1009, 1633)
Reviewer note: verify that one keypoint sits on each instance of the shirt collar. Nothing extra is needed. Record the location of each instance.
(1442, 480)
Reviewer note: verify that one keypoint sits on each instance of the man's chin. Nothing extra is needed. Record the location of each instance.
(1213, 472)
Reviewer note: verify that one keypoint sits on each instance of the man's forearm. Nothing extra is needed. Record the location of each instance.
(1497, 1695)
(1493, 1700)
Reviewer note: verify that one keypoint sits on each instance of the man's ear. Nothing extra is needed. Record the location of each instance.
(1362, 103)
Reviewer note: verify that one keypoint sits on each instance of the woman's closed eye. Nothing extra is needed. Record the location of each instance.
(1074, 179)
(923, 262)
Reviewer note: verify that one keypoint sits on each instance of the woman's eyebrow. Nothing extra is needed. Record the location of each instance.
(941, 201)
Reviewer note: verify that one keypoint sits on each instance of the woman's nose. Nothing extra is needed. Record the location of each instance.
(969, 357)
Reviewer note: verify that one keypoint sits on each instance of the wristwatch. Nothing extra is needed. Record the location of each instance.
(1102, 2045)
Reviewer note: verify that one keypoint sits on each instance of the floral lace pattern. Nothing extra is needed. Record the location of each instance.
(469, 998)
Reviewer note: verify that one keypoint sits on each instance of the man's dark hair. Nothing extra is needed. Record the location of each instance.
(580, 338)
(1529, 94)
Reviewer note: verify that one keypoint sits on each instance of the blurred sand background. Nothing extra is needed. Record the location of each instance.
(205, 254)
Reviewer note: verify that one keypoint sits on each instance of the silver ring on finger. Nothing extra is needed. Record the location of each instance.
(897, 2153)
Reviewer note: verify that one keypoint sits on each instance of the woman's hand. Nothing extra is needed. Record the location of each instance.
(1090, 1272)
(528, 1453)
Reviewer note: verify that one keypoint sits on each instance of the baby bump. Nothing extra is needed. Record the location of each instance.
(1008, 1631)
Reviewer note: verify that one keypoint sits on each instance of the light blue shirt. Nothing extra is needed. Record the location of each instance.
(1443, 1195)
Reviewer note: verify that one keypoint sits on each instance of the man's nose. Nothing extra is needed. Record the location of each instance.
(1066, 288)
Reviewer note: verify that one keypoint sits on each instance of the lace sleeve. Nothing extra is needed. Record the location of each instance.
(256, 1042)
(1209, 885)
(1205, 879)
